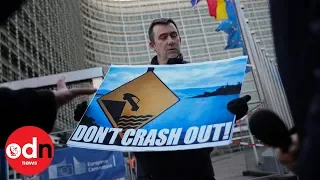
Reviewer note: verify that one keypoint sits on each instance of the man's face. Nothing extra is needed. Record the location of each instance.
(166, 41)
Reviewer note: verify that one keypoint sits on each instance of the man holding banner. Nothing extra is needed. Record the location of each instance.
(165, 40)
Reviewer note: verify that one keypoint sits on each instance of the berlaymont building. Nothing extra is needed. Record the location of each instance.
(116, 32)
(48, 37)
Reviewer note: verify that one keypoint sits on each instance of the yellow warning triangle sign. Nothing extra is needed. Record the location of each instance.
(137, 102)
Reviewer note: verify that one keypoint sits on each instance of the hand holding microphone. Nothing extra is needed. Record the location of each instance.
(289, 158)
(270, 129)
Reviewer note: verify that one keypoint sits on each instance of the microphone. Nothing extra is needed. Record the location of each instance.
(270, 129)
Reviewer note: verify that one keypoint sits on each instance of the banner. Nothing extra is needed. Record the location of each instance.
(78, 163)
(3, 165)
(162, 107)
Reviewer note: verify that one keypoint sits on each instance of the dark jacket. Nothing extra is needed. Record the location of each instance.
(296, 29)
(183, 164)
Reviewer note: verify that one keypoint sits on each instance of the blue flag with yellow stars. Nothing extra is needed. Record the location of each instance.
(231, 27)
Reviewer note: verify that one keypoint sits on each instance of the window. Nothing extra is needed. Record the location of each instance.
(203, 11)
(260, 4)
(12, 29)
(265, 32)
(120, 60)
(28, 45)
(191, 12)
(134, 28)
(132, 18)
(207, 20)
(29, 60)
(264, 23)
(23, 67)
(200, 58)
(215, 39)
(198, 51)
(14, 60)
(191, 22)
(4, 38)
(136, 38)
(268, 41)
(5, 71)
(137, 48)
(30, 74)
(21, 38)
(214, 49)
(15, 76)
(135, 59)
(4, 52)
(116, 38)
(151, 16)
(199, 40)
(118, 49)
(172, 14)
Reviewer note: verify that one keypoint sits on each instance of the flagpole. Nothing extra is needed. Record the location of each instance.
(253, 57)
(269, 88)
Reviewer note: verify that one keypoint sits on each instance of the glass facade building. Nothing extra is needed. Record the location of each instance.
(116, 30)
(53, 36)
(42, 38)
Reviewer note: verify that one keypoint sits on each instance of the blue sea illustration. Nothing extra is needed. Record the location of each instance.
(204, 89)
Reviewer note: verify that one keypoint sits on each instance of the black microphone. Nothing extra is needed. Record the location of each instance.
(270, 129)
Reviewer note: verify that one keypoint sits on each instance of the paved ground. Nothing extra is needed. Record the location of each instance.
(229, 167)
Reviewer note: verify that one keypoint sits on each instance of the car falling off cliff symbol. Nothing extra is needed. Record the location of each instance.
(137, 102)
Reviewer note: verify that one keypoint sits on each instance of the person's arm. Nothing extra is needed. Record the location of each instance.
(26, 107)
(29, 107)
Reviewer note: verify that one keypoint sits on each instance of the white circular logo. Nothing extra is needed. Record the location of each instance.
(13, 151)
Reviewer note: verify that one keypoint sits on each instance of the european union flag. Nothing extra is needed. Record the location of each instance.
(65, 170)
(234, 40)
(195, 3)
(225, 26)
(231, 27)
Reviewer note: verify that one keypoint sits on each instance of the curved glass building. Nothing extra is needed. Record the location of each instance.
(53, 36)
(116, 30)
(44, 37)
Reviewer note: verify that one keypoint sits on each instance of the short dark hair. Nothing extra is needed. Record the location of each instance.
(160, 21)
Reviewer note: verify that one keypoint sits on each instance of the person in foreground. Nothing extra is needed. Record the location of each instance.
(29, 107)
(296, 39)
(165, 40)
